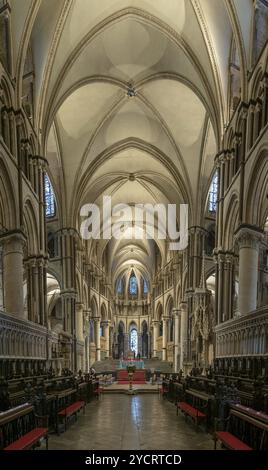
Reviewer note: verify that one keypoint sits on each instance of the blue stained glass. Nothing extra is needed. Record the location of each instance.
(213, 193)
(133, 286)
(49, 198)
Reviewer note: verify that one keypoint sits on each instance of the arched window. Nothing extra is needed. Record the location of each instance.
(213, 193)
(134, 341)
(145, 286)
(49, 198)
(120, 286)
(133, 285)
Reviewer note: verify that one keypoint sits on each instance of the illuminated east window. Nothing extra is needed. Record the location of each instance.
(49, 198)
(134, 341)
(133, 285)
(213, 193)
(145, 286)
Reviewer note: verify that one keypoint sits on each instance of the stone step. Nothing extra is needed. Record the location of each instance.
(111, 365)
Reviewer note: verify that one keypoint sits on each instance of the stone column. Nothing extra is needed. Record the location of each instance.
(248, 238)
(97, 338)
(155, 336)
(86, 359)
(107, 337)
(79, 321)
(13, 272)
(220, 166)
(164, 339)
(228, 286)
(176, 338)
(184, 333)
(220, 286)
(250, 124)
(69, 322)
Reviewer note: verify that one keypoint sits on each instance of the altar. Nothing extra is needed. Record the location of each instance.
(138, 363)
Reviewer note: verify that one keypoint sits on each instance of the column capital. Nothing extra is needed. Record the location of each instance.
(79, 305)
(70, 231)
(16, 235)
(230, 258)
(14, 238)
(41, 162)
(183, 305)
(176, 312)
(248, 236)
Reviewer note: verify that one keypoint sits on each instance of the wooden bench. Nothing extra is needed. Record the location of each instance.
(230, 441)
(243, 432)
(72, 410)
(189, 410)
(22, 429)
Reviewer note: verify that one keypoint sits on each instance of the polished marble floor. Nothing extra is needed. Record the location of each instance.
(141, 422)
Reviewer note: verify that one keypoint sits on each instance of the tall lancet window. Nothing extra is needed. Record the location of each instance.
(49, 198)
(134, 341)
(133, 285)
(120, 286)
(145, 286)
(213, 193)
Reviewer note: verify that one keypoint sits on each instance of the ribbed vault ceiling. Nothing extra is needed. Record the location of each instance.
(157, 146)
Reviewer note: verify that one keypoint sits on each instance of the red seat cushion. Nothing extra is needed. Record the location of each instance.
(190, 410)
(72, 408)
(28, 440)
(231, 441)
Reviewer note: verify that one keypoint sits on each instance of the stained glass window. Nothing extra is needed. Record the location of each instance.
(145, 286)
(49, 198)
(133, 286)
(134, 341)
(213, 193)
(120, 286)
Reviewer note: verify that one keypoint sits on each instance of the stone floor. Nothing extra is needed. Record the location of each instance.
(115, 387)
(141, 422)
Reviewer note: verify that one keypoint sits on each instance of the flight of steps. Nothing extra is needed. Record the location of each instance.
(138, 377)
(159, 366)
(111, 365)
